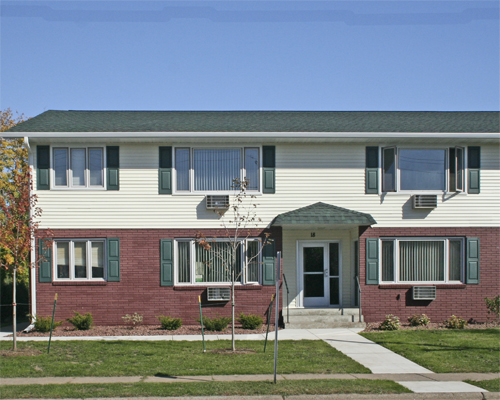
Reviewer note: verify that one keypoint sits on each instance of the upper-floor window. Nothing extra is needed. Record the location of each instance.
(78, 167)
(215, 169)
(79, 259)
(422, 169)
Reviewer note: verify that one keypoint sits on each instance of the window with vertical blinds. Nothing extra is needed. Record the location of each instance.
(79, 259)
(423, 260)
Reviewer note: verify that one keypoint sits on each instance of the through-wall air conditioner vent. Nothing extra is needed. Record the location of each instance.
(424, 292)
(218, 294)
(424, 201)
(217, 202)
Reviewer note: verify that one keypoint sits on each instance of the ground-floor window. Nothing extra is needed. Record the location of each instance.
(422, 259)
(213, 263)
(79, 259)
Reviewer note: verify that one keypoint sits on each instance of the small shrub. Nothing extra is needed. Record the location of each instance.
(493, 305)
(455, 322)
(42, 324)
(134, 319)
(81, 322)
(391, 323)
(169, 323)
(216, 324)
(250, 321)
(419, 320)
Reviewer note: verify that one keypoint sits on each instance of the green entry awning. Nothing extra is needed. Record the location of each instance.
(323, 214)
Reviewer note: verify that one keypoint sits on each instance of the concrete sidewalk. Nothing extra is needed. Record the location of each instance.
(383, 363)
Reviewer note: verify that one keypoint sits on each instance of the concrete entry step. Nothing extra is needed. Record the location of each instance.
(320, 318)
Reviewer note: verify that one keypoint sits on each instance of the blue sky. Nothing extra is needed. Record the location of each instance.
(249, 55)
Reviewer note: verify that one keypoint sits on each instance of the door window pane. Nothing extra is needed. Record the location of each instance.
(334, 259)
(422, 169)
(95, 167)
(252, 168)
(61, 167)
(313, 259)
(97, 259)
(80, 259)
(334, 291)
(216, 169)
(314, 285)
(182, 168)
(78, 167)
(421, 261)
(62, 260)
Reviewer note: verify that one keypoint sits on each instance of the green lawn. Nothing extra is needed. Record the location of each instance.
(493, 385)
(311, 387)
(148, 358)
(445, 350)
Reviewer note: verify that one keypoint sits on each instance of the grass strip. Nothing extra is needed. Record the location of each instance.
(445, 351)
(149, 358)
(298, 387)
(492, 385)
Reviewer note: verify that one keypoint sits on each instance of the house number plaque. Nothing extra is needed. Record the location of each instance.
(313, 234)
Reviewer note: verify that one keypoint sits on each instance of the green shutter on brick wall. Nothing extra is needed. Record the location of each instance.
(43, 167)
(113, 260)
(474, 166)
(165, 170)
(45, 252)
(269, 169)
(472, 261)
(371, 170)
(166, 262)
(269, 264)
(113, 167)
(371, 261)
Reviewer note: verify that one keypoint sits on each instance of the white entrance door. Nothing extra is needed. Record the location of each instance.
(320, 267)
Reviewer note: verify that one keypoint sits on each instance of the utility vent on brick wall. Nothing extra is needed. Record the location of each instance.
(424, 292)
(217, 202)
(218, 294)
(424, 201)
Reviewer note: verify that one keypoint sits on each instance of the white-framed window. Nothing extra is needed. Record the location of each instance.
(197, 265)
(213, 170)
(78, 167)
(79, 259)
(422, 260)
(423, 169)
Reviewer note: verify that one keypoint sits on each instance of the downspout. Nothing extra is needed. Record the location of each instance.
(33, 243)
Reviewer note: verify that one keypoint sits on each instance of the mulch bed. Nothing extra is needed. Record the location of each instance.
(373, 327)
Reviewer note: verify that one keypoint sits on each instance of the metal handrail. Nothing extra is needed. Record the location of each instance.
(359, 296)
(287, 303)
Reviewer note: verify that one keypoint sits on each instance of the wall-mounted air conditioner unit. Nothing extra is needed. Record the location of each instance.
(424, 292)
(424, 201)
(218, 294)
(217, 202)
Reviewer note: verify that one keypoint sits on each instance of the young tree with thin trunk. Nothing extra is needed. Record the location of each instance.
(237, 224)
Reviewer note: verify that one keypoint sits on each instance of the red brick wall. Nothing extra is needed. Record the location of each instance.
(466, 301)
(139, 288)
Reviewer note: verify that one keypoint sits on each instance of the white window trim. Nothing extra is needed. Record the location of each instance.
(87, 186)
(446, 190)
(241, 282)
(191, 190)
(446, 257)
(88, 253)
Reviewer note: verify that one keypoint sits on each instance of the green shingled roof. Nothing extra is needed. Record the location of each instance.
(325, 214)
(261, 121)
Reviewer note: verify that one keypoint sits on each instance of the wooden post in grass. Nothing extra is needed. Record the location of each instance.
(52, 323)
(201, 321)
(269, 320)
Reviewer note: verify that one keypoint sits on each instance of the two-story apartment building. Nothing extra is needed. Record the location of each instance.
(396, 211)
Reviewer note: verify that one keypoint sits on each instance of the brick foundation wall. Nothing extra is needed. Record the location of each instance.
(139, 288)
(466, 301)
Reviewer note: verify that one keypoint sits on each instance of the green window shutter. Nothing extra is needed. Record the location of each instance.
(43, 167)
(474, 164)
(371, 261)
(166, 262)
(472, 261)
(371, 170)
(269, 264)
(113, 259)
(269, 169)
(165, 170)
(45, 271)
(113, 167)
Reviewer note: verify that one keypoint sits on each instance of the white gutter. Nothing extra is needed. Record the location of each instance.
(33, 241)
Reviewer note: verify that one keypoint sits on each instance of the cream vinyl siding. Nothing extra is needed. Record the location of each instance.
(305, 174)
